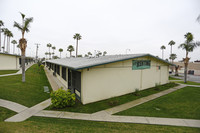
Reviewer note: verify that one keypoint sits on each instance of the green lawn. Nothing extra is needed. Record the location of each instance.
(55, 125)
(105, 104)
(188, 82)
(172, 78)
(2, 72)
(29, 93)
(183, 103)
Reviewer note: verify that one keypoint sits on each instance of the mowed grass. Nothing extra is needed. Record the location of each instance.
(183, 103)
(172, 78)
(5, 113)
(188, 83)
(115, 101)
(2, 72)
(29, 93)
(55, 125)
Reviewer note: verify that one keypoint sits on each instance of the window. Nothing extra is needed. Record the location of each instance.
(58, 69)
(64, 73)
(141, 64)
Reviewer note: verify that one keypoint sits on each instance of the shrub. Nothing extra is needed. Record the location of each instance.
(41, 66)
(61, 98)
(137, 92)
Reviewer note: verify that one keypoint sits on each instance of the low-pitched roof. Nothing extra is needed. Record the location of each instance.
(87, 62)
(10, 54)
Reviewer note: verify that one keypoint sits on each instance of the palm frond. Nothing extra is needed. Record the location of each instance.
(23, 15)
(18, 26)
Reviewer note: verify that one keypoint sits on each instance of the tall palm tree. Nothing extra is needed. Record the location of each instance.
(9, 35)
(46, 53)
(49, 45)
(77, 37)
(70, 48)
(18, 48)
(60, 50)
(162, 48)
(189, 45)
(53, 48)
(5, 32)
(14, 42)
(24, 27)
(171, 43)
(1, 24)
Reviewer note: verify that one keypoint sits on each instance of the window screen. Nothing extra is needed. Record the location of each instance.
(141, 64)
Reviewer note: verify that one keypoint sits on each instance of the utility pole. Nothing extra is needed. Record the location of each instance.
(37, 46)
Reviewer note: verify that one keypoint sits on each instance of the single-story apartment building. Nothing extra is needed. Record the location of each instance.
(97, 78)
(12, 61)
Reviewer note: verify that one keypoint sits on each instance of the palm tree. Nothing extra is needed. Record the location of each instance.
(1, 24)
(171, 43)
(77, 37)
(24, 27)
(53, 48)
(49, 45)
(46, 53)
(173, 57)
(14, 42)
(70, 48)
(18, 48)
(189, 45)
(89, 54)
(60, 50)
(104, 53)
(9, 35)
(5, 32)
(162, 48)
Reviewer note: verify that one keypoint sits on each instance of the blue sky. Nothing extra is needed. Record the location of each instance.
(106, 25)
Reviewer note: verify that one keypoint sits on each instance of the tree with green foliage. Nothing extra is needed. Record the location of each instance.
(60, 50)
(14, 42)
(53, 48)
(173, 57)
(9, 35)
(46, 53)
(189, 45)
(162, 48)
(89, 54)
(1, 24)
(24, 27)
(104, 53)
(77, 37)
(5, 32)
(171, 43)
(49, 46)
(70, 49)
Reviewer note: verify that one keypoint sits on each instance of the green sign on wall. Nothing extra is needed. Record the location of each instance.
(141, 64)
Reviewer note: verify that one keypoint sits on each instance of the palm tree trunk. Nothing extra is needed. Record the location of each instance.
(162, 54)
(49, 54)
(23, 66)
(171, 53)
(186, 66)
(60, 55)
(70, 54)
(76, 47)
(4, 43)
(13, 48)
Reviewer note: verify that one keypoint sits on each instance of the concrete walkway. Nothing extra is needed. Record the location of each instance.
(18, 72)
(12, 105)
(122, 119)
(54, 82)
(27, 113)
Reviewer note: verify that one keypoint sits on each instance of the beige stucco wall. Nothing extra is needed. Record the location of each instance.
(117, 79)
(9, 62)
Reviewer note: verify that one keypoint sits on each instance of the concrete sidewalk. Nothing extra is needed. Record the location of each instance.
(18, 72)
(27, 113)
(54, 82)
(12, 105)
(122, 119)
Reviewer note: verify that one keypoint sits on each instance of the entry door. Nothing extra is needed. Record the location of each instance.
(74, 82)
